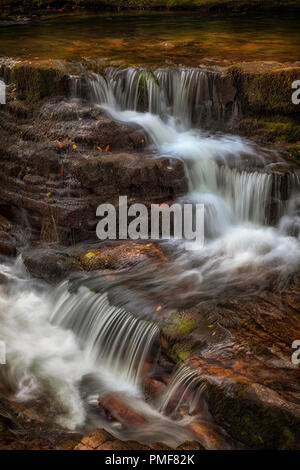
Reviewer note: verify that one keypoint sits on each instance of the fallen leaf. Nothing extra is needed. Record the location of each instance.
(158, 308)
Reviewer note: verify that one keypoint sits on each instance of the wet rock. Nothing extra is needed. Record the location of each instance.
(7, 243)
(261, 418)
(190, 445)
(242, 353)
(210, 436)
(63, 160)
(36, 80)
(22, 429)
(48, 263)
(53, 262)
(99, 439)
(154, 388)
(265, 87)
(120, 410)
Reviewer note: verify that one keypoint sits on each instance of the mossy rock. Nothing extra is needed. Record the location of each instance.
(254, 415)
(36, 81)
(179, 325)
(182, 351)
(264, 88)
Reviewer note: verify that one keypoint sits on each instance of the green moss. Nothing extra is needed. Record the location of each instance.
(256, 423)
(288, 440)
(263, 89)
(180, 325)
(180, 352)
(38, 81)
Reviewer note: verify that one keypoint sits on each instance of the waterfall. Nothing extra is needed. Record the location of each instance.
(185, 387)
(59, 338)
(238, 183)
(190, 95)
(173, 99)
(110, 336)
(289, 224)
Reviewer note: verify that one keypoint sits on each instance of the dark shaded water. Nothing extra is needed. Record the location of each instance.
(144, 39)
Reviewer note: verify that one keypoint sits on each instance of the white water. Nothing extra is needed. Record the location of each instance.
(60, 341)
(236, 199)
(190, 95)
(65, 349)
(110, 336)
(185, 386)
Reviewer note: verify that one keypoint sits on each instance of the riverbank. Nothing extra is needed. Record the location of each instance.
(32, 10)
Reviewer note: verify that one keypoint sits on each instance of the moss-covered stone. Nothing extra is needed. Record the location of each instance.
(36, 81)
(179, 325)
(180, 352)
(265, 87)
(254, 415)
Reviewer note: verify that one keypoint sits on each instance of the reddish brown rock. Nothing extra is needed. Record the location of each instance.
(242, 353)
(154, 388)
(121, 411)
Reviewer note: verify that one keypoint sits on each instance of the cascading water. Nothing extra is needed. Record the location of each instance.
(229, 175)
(65, 349)
(68, 346)
(185, 387)
(190, 95)
(110, 336)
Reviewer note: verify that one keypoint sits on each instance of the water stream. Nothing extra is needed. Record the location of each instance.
(66, 346)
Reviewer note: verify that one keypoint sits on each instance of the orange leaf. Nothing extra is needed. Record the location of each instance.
(159, 308)
(107, 148)
(100, 149)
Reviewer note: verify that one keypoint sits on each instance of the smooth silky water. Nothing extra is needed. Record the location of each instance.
(70, 344)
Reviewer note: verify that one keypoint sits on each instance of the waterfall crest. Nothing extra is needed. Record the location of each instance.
(190, 95)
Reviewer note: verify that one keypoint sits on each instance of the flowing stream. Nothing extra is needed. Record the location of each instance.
(68, 345)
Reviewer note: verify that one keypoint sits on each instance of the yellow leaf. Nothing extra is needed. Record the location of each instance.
(90, 254)
(74, 147)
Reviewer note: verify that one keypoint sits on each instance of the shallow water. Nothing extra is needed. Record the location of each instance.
(154, 39)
